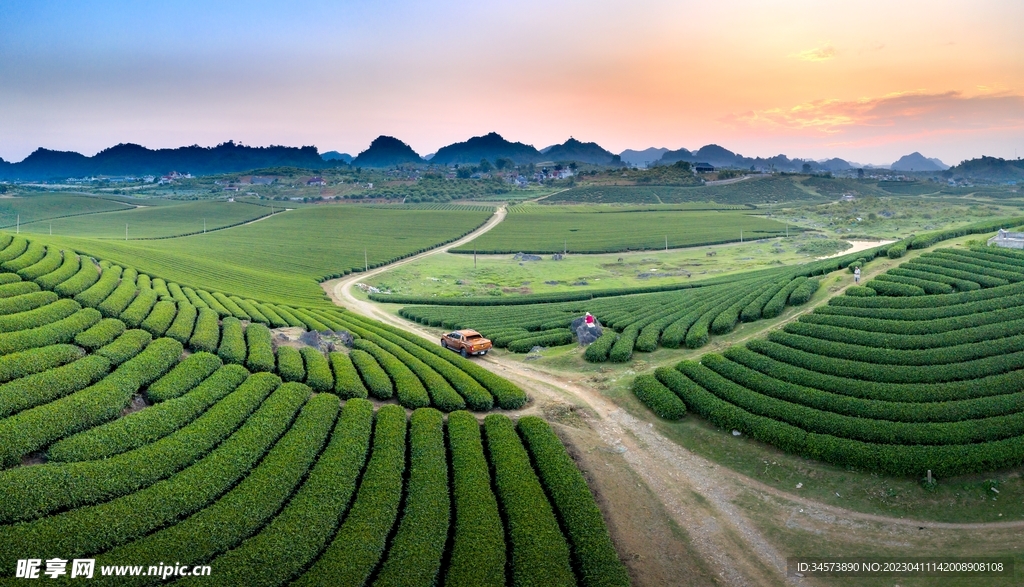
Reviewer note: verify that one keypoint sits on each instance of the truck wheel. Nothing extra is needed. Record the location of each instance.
(444, 344)
(463, 353)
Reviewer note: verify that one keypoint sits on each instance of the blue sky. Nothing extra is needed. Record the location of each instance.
(868, 81)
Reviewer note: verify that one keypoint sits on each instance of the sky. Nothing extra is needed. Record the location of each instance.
(867, 81)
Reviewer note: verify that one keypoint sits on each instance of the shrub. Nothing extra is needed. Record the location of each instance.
(547, 338)
(139, 309)
(622, 350)
(929, 286)
(414, 556)
(194, 299)
(187, 374)
(185, 318)
(39, 316)
(275, 319)
(160, 318)
(207, 332)
(540, 555)
(101, 334)
(14, 248)
(409, 389)
(46, 386)
(261, 350)
(122, 296)
(59, 331)
(37, 360)
(289, 364)
(287, 316)
(658, 398)
(897, 250)
(213, 303)
(597, 351)
(803, 292)
(231, 306)
(104, 526)
(48, 264)
(99, 291)
(125, 346)
(860, 291)
(597, 562)
(294, 537)
(890, 288)
(777, 304)
(377, 381)
(478, 545)
(82, 280)
(243, 510)
(346, 381)
(26, 302)
(37, 427)
(34, 253)
(318, 372)
(150, 425)
(17, 288)
(160, 287)
(360, 542)
(250, 309)
(232, 341)
(308, 320)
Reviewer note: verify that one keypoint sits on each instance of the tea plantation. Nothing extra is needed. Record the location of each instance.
(144, 422)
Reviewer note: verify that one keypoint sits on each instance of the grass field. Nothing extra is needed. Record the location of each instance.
(281, 258)
(151, 221)
(602, 229)
(34, 208)
(501, 275)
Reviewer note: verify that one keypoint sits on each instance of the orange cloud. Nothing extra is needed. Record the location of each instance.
(905, 113)
(817, 54)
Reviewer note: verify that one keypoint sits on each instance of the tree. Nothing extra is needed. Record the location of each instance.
(573, 166)
(464, 172)
(860, 173)
(504, 163)
(682, 166)
(485, 166)
(806, 168)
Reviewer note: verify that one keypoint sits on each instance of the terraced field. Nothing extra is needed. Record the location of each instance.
(152, 222)
(918, 370)
(281, 258)
(52, 206)
(245, 452)
(601, 229)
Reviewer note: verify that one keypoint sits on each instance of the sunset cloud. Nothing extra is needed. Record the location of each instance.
(912, 112)
(823, 53)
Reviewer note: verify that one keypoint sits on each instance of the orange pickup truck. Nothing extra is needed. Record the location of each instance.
(466, 342)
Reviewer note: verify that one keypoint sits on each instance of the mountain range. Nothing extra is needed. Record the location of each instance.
(386, 151)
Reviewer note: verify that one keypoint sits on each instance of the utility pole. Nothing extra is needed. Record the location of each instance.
(18, 229)
(741, 236)
(204, 226)
(787, 229)
(565, 247)
(666, 243)
(125, 232)
(51, 229)
(474, 257)
(366, 263)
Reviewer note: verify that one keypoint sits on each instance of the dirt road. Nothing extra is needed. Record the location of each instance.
(720, 543)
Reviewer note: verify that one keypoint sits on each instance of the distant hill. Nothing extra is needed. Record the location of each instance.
(491, 146)
(386, 151)
(721, 157)
(673, 156)
(917, 162)
(135, 160)
(835, 164)
(336, 156)
(645, 157)
(573, 150)
(991, 168)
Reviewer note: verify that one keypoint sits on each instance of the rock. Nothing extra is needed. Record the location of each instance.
(736, 433)
(556, 257)
(799, 485)
(525, 257)
(580, 283)
(459, 282)
(586, 334)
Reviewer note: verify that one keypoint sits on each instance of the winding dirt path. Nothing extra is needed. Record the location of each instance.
(698, 495)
